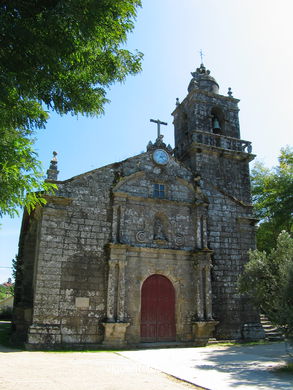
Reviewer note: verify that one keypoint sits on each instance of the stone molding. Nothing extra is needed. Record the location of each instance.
(218, 151)
(247, 220)
(60, 200)
(196, 96)
(125, 248)
(123, 196)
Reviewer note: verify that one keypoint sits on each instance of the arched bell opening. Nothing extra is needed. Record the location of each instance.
(218, 121)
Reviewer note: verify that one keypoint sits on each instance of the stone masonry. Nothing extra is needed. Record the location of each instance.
(85, 256)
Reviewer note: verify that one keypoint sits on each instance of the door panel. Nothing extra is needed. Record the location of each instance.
(158, 310)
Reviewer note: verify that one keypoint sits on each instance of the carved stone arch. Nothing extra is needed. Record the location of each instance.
(218, 120)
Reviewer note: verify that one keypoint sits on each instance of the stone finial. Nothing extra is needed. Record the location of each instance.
(149, 146)
(169, 148)
(52, 172)
(201, 79)
(177, 102)
(230, 92)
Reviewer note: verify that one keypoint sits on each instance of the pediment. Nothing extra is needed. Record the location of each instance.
(143, 184)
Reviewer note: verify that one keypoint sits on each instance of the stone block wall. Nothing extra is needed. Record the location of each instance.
(231, 232)
(227, 171)
(25, 272)
(70, 263)
(230, 236)
(70, 290)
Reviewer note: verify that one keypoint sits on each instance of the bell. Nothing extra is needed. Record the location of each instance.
(216, 124)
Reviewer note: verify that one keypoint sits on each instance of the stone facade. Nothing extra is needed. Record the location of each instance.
(84, 257)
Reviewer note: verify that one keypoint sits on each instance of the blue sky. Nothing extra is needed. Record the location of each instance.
(247, 46)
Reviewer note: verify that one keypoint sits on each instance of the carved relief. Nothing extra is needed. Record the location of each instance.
(141, 236)
(179, 240)
(159, 230)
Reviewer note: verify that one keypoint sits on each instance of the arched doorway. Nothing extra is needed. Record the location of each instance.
(157, 310)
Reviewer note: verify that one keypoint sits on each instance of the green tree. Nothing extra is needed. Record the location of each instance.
(268, 280)
(54, 55)
(3, 292)
(6, 291)
(272, 194)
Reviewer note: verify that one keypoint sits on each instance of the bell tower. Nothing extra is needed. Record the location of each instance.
(207, 136)
(207, 140)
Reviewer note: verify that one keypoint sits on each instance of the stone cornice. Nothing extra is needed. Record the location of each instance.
(213, 150)
(61, 200)
(123, 196)
(141, 249)
(195, 95)
(248, 220)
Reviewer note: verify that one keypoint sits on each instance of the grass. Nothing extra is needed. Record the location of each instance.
(239, 344)
(80, 351)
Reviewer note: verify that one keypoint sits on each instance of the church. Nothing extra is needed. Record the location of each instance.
(149, 249)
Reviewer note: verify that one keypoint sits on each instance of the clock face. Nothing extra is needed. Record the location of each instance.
(161, 157)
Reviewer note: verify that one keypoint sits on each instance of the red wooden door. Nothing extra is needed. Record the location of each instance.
(157, 310)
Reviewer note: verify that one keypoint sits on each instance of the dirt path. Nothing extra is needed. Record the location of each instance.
(80, 371)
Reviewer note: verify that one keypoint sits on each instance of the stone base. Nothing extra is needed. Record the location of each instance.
(46, 335)
(202, 331)
(115, 333)
(253, 331)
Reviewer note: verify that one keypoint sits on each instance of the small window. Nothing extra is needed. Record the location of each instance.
(159, 191)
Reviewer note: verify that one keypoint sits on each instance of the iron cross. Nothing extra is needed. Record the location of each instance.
(158, 122)
(201, 56)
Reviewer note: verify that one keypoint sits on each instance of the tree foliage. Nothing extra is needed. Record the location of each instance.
(20, 171)
(272, 194)
(6, 291)
(54, 55)
(268, 279)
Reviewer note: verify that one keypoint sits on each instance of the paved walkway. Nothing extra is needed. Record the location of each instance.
(79, 371)
(213, 368)
(222, 368)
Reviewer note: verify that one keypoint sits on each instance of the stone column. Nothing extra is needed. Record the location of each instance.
(121, 223)
(121, 292)
(115, 327)
(204, 232)
(208, 292)
(115, 223)
(199, 233)
(199, 292)
(112, 291)
(205, 325)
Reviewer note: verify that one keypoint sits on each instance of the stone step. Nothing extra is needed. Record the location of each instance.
(272, 332)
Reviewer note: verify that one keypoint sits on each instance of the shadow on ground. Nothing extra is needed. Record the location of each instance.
(246, 366)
